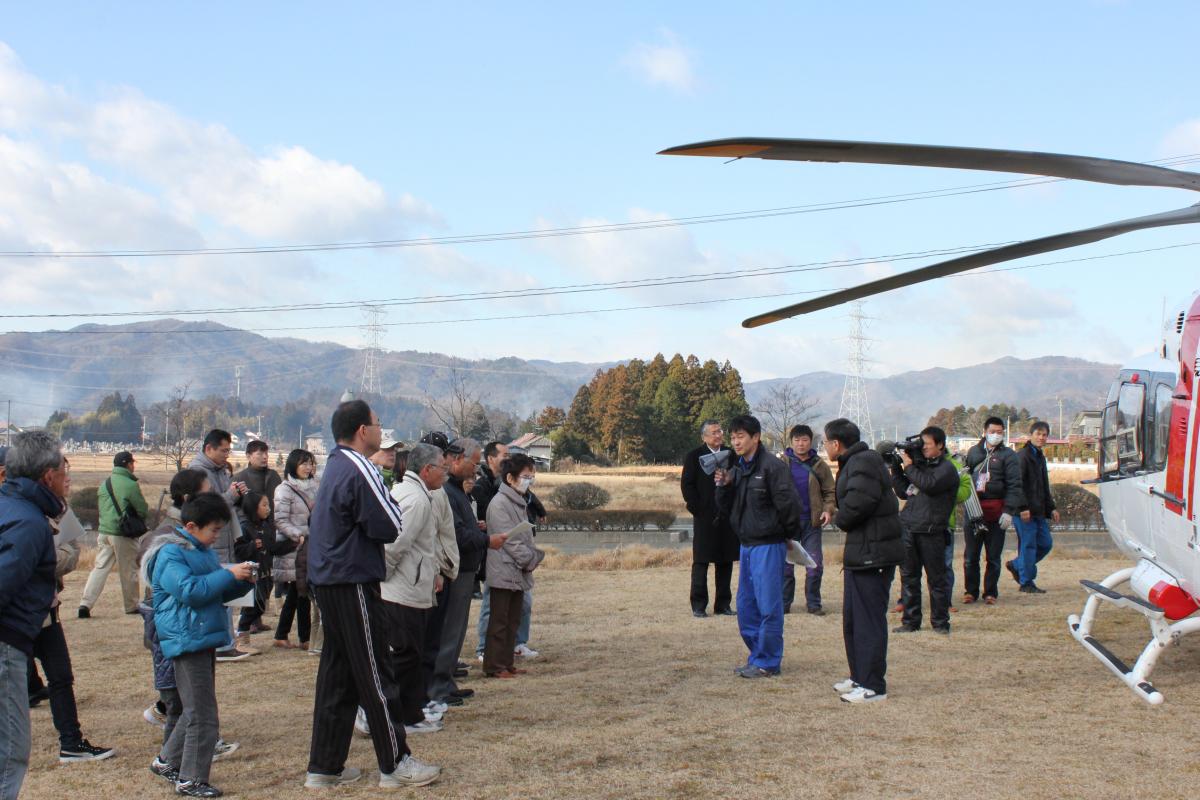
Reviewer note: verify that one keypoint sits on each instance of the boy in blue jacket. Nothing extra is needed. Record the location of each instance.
(189, 589)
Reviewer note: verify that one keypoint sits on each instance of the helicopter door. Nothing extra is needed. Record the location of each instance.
(1173, 534)
(1123, 493)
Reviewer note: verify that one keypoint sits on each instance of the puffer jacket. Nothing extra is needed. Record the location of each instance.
(868, 510)
(128, 493)
(761, 504)
(164, 668)
(27, 559)
(293, 506)
(190, 588)
(511, 567)
(1000, 471)
(929, 491)
(412, 564)
(221, 482)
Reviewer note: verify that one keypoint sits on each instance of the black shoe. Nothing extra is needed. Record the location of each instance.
(942, 629)
(85, 612)
(477, 595)
(725, 612)
(817, 612)
(39, 697)
(1032, 588)
(197, 789)
(164, 770)
(787, 609)
(462, 694)
(700, 613)
(83, 750)
(460, 673)
(451, 700)
(904, 629)
(462, 665)
(1012, 570)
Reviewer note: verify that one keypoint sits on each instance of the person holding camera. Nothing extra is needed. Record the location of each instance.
(996, 471)
(928, 483)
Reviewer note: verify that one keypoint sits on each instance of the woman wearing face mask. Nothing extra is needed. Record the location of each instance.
(509, 569)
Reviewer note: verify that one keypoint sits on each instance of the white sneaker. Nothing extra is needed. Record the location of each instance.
(360, 723)
(409, 772)
(525, 651)
(155, 717)
(436, 707)
(223, 749)
(426, 726)
(842, 687)
(315, 780)
(862, 695)
(479, 657)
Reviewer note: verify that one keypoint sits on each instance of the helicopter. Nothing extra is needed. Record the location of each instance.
(1149, 451)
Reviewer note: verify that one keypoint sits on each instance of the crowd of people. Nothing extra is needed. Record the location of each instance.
(376, 563)
(767, 512)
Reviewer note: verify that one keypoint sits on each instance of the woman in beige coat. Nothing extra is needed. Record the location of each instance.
(509, 569)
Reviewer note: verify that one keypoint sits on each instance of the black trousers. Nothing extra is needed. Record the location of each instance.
(992, 542)
(864, 625)
(406, 636)
(925, 552)
(434, 624)
(724, 577)
(50, 648)
(253, 614)
(354, 671)
(298, 606)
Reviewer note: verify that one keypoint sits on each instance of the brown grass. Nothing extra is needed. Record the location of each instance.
(635, 698)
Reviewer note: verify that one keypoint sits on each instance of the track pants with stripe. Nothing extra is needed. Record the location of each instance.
(355, 671)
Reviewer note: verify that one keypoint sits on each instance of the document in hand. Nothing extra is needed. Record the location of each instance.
(711, 462)
(799, 556)
(69, 529)
(521, 529)
(245, 601)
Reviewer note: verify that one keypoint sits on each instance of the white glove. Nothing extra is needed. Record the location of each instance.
(1005, 522)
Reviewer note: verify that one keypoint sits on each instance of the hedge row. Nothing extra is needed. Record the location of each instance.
(603, 520)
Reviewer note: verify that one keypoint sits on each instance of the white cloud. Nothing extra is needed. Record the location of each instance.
(666, 63)
(1183, 139)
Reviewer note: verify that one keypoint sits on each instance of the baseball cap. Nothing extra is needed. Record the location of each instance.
(122, 459)
(389, 441)
(439, 440)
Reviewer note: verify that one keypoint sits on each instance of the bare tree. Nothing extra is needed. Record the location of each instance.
(459, 411)
(181, 428)
(784, 405)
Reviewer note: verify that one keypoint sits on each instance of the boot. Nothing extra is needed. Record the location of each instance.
(243, 644)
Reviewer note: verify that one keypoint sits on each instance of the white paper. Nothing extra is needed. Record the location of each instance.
(69, 529)
(246, 600)
(520, 528)
(799, 556)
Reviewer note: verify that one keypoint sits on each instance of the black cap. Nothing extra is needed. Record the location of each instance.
(439, 440)
(123, 459)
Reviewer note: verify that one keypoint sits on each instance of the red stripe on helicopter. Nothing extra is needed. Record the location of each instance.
(1188, 351)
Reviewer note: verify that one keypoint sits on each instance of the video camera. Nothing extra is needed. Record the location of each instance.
(913, 445)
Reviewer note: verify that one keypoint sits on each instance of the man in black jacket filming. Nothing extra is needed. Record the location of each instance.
(928, 486)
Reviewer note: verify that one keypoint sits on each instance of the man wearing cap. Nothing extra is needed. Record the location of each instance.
(448, 557)
(385, 459)
(113, 548)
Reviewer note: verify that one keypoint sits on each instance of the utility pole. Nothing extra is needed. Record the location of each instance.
(8, 429)
(237, 374)
(854, 405)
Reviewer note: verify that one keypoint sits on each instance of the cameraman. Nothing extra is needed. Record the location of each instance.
(929, 486)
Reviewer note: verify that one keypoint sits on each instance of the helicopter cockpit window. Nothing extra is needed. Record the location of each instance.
(1163, 401)
(1129, 435)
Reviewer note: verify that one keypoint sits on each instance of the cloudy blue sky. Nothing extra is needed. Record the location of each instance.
(156, 126)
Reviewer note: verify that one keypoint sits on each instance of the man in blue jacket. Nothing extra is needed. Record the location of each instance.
(352, 519)
(34, 491)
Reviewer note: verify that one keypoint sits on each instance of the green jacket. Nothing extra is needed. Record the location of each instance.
(964, 489)
(125, 487)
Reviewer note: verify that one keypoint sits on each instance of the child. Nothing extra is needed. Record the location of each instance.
(256, 544)
(189, 587)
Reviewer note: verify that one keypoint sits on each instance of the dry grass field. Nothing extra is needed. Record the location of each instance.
(635, 698)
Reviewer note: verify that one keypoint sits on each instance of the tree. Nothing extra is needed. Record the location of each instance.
(550, 418)
(183, 427)
(670, 436)
(459, 411)
(784, 405)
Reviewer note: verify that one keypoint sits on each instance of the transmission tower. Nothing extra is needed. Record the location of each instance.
(854, 394)
(372, 336)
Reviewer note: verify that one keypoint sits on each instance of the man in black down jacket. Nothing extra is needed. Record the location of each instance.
(996, 471)
(928, 488)
(712, 540)
(1033, 524)
(868, 512)
(758, 498)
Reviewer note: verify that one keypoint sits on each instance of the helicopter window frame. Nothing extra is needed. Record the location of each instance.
(1123, 440)
(1164, 403)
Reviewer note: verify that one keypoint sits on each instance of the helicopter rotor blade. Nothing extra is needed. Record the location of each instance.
(1086, 168)
(1059, 241)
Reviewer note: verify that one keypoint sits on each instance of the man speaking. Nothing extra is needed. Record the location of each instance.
(712, 540)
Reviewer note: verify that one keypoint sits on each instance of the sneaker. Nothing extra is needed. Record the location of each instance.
(1012, 570)
(436, 707)
(409, 772)
(164, 770)
(463, 694)
(817, 611)
(904, 629)
(233, 654)
(942, 629)
(243, 644)
(525, 651)
(432, 716)
(154, 716)
(315, 780)
(462, 665)
(316, 651)
(1032, 588)
(425, 726)
(862, 695)
(461, 672)
(361, 726)
(842, 687)
(479, 657)
(85, 612)
(197, 789)
(84, 750)
(39, 697)
(224, 749)
(757, 672)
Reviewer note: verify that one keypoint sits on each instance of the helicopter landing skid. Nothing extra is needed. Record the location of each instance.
(1163, 633)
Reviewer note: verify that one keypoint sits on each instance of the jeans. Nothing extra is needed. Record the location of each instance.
(485, 611)
(50, 648)
(14, 720)
(760, 603)
(1033, 544)
(810, 539)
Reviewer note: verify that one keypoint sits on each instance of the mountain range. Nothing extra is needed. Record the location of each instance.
(72, 369)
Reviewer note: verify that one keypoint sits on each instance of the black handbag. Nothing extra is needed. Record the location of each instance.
(130, 525)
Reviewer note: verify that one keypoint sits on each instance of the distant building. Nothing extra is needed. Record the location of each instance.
(535, 445)
(316, 444)
(1086, 425)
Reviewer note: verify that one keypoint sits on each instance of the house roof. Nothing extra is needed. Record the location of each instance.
(530, 440)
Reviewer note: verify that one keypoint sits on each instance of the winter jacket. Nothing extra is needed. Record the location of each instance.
(761, 503)
(189, 589)
(1000, 472)
(713, 541)
(164, 668)
(867, 510)
(263, 481)
(352, 519)
(447, 543)
(964, 488)
(822, 497)
(929, 491)
(27, 559)
(412, 562)
(293, 506)
(66, 557)
(486, 486)
(511, 567)
(472, 542)
(221, 482)
(245, 549)
(128, 493)
(1035, 482)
